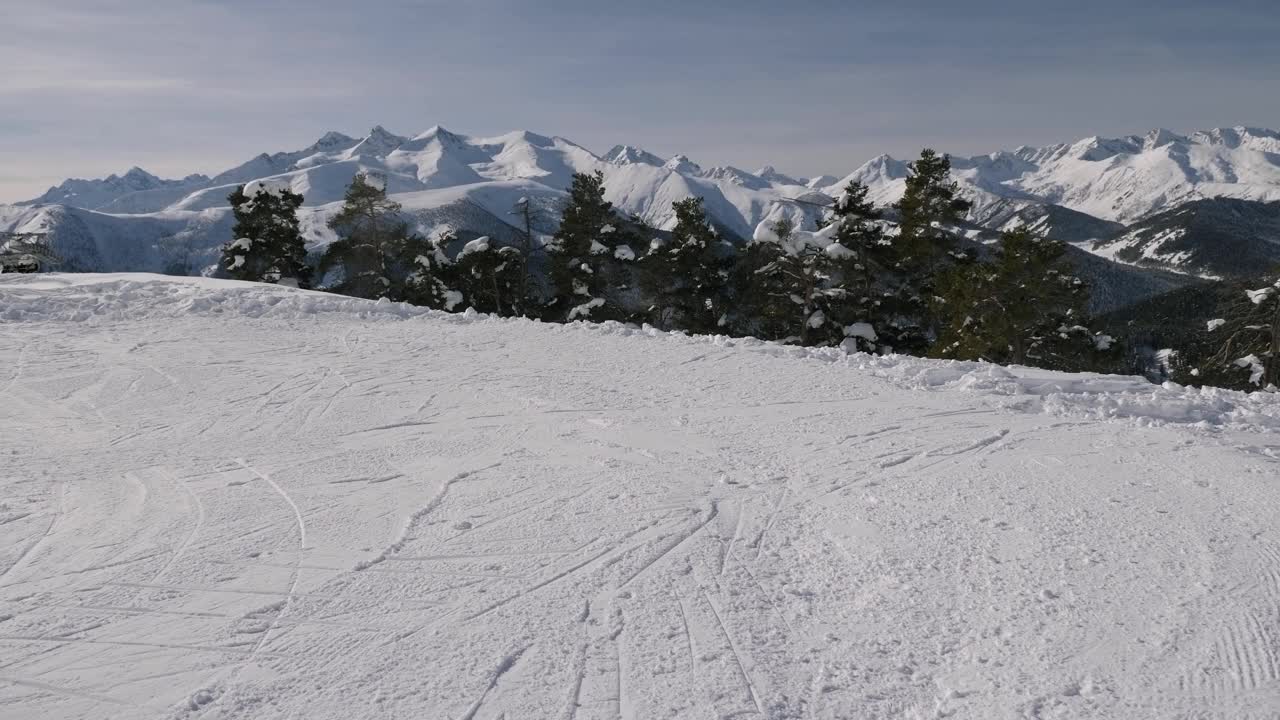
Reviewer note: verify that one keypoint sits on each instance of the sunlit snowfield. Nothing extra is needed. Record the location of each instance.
(224, 500)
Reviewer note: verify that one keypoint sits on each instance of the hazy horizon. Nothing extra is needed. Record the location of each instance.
(197, 86)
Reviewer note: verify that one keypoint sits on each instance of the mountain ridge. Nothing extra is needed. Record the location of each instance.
(1084, 192)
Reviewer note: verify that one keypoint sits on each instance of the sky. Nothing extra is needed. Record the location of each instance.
(92, 87)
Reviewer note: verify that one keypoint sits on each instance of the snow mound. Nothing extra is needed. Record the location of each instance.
(115, 297)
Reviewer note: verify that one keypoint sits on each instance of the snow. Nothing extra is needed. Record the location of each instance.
(1256, 369)
(229, 500)
(268, 186)
(452, 299)
(861, 330)
(799, 240)
(584, 310)
(1215, 323)
(479, 245)
(1257, 297)
(624, 252)
(838, 251)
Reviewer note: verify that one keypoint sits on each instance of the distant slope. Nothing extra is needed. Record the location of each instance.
(1221, 237)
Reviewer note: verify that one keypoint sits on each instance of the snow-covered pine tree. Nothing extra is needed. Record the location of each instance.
(1247, 339)
(924, 245)
(686, 277)
(490, 277)
(267, 244)
(1024, 307)
(864, 274)
(590, 256)
(374, 254)
(428, 274)
(794, 285)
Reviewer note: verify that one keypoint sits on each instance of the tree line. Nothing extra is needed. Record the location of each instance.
(852, 282)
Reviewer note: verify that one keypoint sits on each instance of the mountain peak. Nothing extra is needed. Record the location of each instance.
(379, 142)
(1159, 137)
(771, 174)
(629, 155)
(682, 164)
(331, 139)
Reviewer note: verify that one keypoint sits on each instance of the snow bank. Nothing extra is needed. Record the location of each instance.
(1075, 395)
(104, 298)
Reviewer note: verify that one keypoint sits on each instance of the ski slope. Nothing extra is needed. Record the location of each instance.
(225, 500)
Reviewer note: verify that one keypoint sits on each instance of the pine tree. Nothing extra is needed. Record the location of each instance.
(588, 256)
(794, 285)
(429, 277)
(864, 275)
(687, 276)
(929, 203)
(531, 214)
(490, 277)
(923, 247)
(1024, 307)
(268, 245)
(375, 253)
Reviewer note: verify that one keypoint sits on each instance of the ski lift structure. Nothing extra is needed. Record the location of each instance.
(27, 253)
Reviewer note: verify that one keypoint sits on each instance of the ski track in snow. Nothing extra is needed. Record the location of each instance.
(341, 515)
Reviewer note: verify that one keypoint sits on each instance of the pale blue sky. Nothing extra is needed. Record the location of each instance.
(91, 87)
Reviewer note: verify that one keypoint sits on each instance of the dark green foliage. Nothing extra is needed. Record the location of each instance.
(1023, 307)
(1243, 350)
(924, 246)
(375, 255)
(793, 286)
(267, 245)
(929, 204)
(489, 277)
(864, 274)
(530, 215)
(686, 278)
(590, 273)
(423, 274)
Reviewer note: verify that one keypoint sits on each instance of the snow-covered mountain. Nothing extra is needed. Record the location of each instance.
(1084, 192)
(1118, 179)
(442, 179)
(135, 191)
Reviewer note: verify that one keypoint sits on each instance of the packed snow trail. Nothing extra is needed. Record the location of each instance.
(221, 500)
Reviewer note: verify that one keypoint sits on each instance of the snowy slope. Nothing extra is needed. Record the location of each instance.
(1217, 237)
(225, 500)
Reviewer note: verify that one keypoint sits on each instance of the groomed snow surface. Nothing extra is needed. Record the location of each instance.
(225, 500)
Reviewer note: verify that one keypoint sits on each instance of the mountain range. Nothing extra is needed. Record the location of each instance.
(1095, 193)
